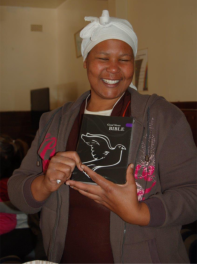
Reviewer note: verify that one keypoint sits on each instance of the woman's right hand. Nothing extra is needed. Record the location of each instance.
(60, 168)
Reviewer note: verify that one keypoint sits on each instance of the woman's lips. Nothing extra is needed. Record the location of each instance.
(108, 81)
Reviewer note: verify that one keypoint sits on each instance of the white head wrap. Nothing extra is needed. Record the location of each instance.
(104, 28)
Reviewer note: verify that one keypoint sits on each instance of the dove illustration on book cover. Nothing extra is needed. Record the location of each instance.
(103, 146)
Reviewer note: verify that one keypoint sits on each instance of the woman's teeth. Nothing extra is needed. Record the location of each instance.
(110, 81)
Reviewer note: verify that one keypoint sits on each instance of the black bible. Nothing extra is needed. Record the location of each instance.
(104, 145)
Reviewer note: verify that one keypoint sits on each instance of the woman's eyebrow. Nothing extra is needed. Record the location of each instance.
(108, 53)
(126, 54)
(121, 55)
(102, 52)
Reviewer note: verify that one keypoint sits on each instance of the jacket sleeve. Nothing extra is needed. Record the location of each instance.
(177, 166)
(7, 207)
(20, 182)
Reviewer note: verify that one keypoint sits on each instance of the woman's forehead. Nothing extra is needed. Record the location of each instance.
(111, 45)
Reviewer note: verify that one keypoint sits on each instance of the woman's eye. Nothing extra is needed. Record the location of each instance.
(124, 60)
(103, 58)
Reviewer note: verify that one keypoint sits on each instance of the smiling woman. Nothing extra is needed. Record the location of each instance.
(110, 68)
(137, 222)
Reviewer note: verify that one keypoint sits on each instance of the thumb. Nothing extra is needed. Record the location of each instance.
(79, 164)
(129, 174)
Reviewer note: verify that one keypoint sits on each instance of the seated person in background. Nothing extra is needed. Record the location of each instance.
(137, 222)
(7, 220)
(16, 238)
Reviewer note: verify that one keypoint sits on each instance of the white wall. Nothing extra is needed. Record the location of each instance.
(72, 79)
(28, 60)
(168, 28)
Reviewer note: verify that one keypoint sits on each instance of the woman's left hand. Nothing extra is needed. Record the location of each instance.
(121, 199)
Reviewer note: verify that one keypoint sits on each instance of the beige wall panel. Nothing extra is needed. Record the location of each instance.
(112, 7)
(169, 30)
(121, 9)
(28, 59)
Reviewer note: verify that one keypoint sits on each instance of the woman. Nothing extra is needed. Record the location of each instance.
(138, 222)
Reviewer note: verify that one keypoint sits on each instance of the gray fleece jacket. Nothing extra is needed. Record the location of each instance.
(164, 154)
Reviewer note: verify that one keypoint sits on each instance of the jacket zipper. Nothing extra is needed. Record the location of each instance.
(51, 247)
(124, 235)
(125, 229)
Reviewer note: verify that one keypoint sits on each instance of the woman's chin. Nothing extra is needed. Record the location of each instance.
(108, 93)
(110, 96)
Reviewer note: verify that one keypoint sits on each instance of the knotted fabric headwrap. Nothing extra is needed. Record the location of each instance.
(104, 28)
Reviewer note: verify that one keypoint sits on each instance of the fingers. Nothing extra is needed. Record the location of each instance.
(98, 179)
(87, 194)
(92, 192)
(88, 188)
(71, 155)
(61, 166)
(129, 174)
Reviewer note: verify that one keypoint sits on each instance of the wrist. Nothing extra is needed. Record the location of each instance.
(144, 214)
(141, 216)
(39, 189)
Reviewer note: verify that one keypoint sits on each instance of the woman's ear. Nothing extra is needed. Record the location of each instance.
(85, 64)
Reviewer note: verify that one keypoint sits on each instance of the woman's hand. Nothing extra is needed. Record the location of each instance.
(121, 199)
(60, 168)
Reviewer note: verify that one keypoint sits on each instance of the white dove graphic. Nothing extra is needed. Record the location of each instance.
(104, 155)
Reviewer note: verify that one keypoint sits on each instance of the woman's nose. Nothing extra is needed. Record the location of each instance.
(113, 67)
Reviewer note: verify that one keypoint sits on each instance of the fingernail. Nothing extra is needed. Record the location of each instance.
(67, 183)
(132, 166)
(80, 167)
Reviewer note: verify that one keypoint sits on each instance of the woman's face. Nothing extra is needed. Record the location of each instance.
(110, 68)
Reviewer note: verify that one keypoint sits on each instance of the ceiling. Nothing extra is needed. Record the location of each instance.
(32, 3)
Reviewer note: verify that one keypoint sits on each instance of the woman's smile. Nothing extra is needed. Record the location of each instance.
(107, 81)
